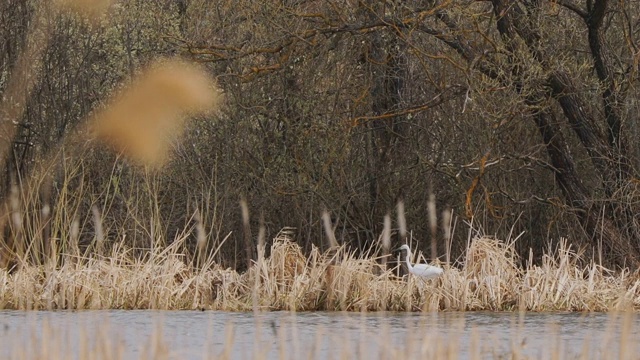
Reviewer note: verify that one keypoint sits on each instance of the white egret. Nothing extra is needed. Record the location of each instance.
(424, 271)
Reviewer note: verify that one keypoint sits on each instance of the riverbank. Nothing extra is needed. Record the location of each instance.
(488, 278)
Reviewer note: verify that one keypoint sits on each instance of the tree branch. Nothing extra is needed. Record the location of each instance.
(573, 7)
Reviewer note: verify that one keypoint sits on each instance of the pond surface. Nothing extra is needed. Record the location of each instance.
(284, 335)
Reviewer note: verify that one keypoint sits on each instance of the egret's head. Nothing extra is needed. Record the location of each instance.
(404, 248)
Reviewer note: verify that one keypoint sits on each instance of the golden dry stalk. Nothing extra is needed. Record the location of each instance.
(143, 120)
(289, 280)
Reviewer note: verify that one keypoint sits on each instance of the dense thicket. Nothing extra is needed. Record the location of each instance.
(520, 116)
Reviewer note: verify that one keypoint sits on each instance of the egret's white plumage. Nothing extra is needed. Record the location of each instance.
(424, 271)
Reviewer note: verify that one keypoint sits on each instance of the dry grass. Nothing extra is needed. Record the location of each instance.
(488, 279)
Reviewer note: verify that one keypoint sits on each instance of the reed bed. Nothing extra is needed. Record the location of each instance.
(488, 278)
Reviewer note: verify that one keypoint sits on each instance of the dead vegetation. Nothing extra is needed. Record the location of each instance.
(487, 279)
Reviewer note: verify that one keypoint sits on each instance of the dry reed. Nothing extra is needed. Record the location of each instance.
(145, 119)
(488, 279)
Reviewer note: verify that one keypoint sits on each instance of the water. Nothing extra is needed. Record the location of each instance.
(274, 335)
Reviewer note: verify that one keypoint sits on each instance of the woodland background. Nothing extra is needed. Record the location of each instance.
(520, 117)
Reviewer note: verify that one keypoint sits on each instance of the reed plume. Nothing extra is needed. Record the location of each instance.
(145, 119)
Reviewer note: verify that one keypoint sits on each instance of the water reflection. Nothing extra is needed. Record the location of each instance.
(274, 335)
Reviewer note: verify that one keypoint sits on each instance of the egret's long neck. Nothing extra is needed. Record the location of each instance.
(408, 260)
